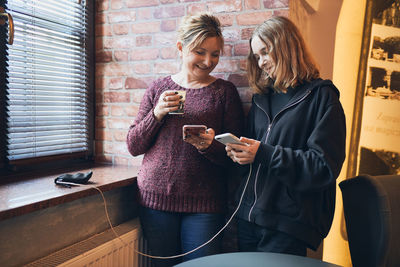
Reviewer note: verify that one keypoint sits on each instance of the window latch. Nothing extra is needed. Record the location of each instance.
(3, 15)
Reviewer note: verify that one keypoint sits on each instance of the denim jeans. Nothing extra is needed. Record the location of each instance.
(173, 233)
(253, 238)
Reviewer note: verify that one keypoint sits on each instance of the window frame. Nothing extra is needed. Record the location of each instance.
(57, 161)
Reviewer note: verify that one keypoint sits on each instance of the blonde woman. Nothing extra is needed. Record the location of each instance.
(296, 145)
(182, 186)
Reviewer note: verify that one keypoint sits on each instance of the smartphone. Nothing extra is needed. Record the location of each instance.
(228, 138)
(193, 130)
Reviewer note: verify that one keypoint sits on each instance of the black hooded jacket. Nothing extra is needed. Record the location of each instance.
(292, 184)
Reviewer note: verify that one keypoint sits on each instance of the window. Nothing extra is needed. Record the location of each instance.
(47, 79)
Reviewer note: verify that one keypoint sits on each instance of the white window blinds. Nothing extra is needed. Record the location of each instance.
(47, 85)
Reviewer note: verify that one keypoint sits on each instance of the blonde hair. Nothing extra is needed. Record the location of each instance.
(194, 29)
(293, 63)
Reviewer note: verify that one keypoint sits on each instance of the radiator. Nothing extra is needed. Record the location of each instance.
(103, 249)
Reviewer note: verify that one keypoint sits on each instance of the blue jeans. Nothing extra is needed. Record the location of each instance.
(173, 233)
(253, 238)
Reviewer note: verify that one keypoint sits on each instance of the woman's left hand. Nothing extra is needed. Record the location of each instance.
(201, 141)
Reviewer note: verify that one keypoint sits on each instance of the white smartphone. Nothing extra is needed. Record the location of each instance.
(228, 138)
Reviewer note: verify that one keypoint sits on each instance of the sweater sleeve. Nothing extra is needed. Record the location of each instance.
(233, 122)
(142, 132)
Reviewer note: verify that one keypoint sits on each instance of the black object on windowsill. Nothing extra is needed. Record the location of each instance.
(69, 180)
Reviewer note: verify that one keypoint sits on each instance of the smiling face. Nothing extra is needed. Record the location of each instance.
(201, 61)
(262, 56)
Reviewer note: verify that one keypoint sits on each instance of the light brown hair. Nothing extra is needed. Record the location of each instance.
(194, 29)
(293, 62)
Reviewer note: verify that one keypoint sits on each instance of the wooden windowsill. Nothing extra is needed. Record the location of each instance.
(39, 191)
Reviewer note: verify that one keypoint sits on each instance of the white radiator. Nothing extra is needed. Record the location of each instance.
(103, 249)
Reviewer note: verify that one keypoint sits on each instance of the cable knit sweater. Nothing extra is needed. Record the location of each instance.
(174, 175)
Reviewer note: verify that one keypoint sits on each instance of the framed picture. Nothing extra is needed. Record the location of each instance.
(375, 136)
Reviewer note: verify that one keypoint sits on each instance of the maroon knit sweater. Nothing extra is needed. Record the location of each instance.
(174, 175)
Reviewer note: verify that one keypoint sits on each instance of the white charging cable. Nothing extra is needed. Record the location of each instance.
(165, 257)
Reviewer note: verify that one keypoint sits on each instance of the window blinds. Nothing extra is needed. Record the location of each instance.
(47, 83)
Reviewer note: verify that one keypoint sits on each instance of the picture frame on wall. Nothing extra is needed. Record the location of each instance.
(375, 134)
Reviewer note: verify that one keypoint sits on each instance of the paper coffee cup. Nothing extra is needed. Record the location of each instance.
(180, 110)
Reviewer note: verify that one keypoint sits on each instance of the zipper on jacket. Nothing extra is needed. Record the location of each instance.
(265, 141)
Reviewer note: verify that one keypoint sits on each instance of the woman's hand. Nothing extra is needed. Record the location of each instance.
(201, 141)
(168, 101)
(243, 154)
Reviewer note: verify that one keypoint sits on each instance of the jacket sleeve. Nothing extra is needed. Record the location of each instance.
(233, 122)
(316, 166)
(142, 132)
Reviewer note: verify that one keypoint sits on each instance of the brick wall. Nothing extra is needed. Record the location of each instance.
(135, 43)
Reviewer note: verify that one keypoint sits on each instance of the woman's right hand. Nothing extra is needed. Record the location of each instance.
(167, 102)
(243, 154)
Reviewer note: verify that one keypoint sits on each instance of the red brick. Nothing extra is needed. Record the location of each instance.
(121, 56)
(104, 56)
(132, 110)
(241, 49)
(276, 3)
(117, 111)
(146, 27)
(252, 4)
(119, 42)
(121, 29)
(122, 161)
(168, 25)
(113, 69)
(240, 80)
(226, 19)
(118, 123)
(253, 18)
(227, 50)
(168, 1)
(142, 68)
(116, 97)
(246, 94)
(144, 40)
(117, 17)
(100, 158)
(141, 3)
(165, 39)
(134, 83)
(224, 6)
(243, 64)
(100, 83)
(231, 34)
(169, 52)
(281, 12)
(144, 13)
(247, 33)
(115, 83)
(196, 8)
(117, 4)
(137, 95)
(118, 148)
(144, 54)
(169, 12)
(120, 135)
(166, 67)
(227, 65)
